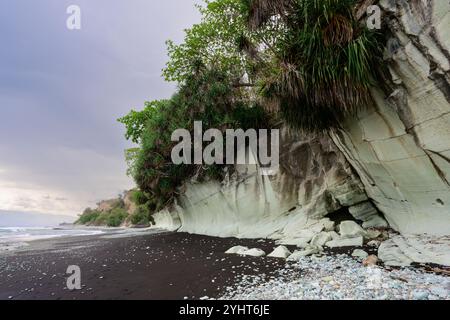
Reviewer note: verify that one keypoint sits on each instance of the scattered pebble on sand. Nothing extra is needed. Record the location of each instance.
(340, 278)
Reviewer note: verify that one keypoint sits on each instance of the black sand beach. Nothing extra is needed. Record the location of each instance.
(169, 266)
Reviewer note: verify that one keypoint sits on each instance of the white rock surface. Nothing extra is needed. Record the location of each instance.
(321, 239)
(350, 229)
(400, 146)
(367, 213)
(361, 254)
(373, 234)
(328, 224)
(374, 243)
(290, 206)
(375, 222)
(334, 235)
(303, 253)
(280, 252)
(346, 242)
(167, 220)
(404, 250)
(253, 253)
(237, 250)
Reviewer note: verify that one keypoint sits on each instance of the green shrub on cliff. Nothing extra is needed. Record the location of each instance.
(139, 198)
(113, 217)
(211, 43)
(210, 71)
(141, 217)
(88, 217)
(206, 96)
(116, 217)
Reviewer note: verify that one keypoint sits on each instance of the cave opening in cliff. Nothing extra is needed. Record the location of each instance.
(342, 214)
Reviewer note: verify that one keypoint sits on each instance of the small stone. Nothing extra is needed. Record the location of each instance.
(300, 254)
(253, 253)
(358, 253)
(375, 222)
(447, 285)
(236, 250)
(370, 261)
(321, 239)
(349, 242)
(374, 243)
(392, 255)
(439, 291)
(328, 224)
(350, 229)
(420, 295)
(334, 235)
(280, 252)
(373, 234)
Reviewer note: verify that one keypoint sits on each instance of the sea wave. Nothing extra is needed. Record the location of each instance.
(21, 234)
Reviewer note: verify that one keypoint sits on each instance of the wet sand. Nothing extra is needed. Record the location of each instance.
(158, 266)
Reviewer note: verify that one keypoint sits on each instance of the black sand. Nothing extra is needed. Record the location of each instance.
(169, 266)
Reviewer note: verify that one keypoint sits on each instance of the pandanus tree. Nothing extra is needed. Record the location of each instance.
(323, 61)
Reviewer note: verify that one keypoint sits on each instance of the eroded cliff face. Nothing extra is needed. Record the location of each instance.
(314, 180)
(400, 147)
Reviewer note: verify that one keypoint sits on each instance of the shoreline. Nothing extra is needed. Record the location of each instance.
(154, 264)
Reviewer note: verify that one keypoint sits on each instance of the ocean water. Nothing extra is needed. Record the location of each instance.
(17, 235)
(12, 238)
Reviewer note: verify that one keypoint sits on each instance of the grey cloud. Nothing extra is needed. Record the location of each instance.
(61, 91)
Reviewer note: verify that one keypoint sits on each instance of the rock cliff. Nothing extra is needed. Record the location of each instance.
(400, 146)
(391, 162)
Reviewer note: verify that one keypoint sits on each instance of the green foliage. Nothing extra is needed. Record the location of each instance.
(209, 43)
(254, 117)
(111, 218)
(141, 216)
(323, 63)
(135, 121)
(88, 217)
(139, 197)
(130, 158)
(206, 96)
(115, 217)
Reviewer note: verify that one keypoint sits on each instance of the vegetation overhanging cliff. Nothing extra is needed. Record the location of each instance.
(364, 116)
(254, 64)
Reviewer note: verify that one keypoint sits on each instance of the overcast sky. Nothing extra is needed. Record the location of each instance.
(61, 92)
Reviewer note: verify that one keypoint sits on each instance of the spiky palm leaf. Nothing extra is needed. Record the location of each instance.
(261, 11)
(327, 61)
